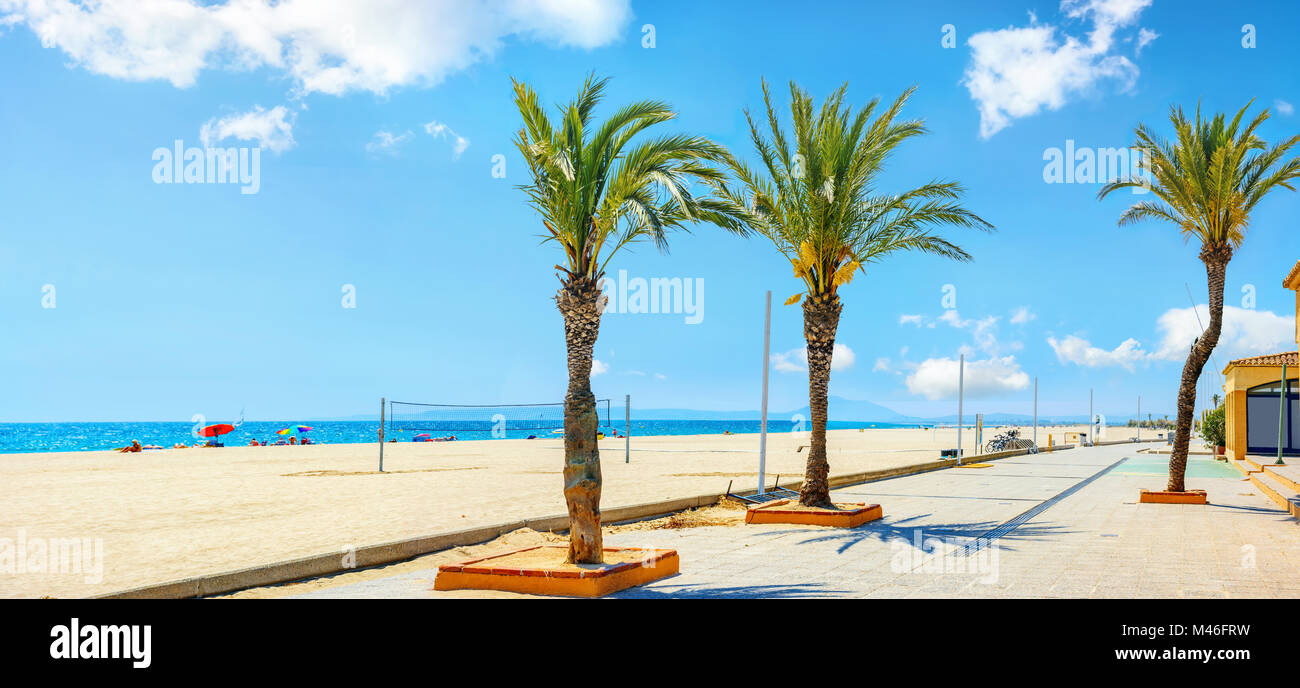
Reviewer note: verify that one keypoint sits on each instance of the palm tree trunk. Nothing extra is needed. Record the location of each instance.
(1216, 267)
(579, 303)
(821, 317)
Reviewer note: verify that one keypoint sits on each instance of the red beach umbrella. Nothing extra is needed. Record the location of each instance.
(218, 429)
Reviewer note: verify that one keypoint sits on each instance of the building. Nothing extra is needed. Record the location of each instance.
(1253, 388)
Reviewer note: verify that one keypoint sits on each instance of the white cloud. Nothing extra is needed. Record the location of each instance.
(1021, 315)
(660, 376)
(598, 368)
(439, 130)
(882, 365)
(1245, 332)
(791, 361)
(843, 357)
(324, 46)
(1145, 36)
(983, 330)
(936, 378)
(796, 360)
(387, 142)
(272, 129)
(1017, 71)
(1283, 107)
(1081, 352)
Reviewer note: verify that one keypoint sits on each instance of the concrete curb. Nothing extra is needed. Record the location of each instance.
(401, 550)
(1127, 441)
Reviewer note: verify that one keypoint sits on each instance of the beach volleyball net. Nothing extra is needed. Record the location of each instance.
(413, 422)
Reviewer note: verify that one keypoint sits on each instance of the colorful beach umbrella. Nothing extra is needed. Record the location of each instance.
(218, 429)
(283, 431)
(301, 428)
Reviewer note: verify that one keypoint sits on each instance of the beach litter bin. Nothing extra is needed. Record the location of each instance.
(947, 453)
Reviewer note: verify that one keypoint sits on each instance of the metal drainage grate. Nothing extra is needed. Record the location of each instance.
(1011, 524)
(776, 492)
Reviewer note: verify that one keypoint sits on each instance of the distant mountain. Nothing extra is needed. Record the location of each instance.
(839, 409)
(858, 411)
(862, 411)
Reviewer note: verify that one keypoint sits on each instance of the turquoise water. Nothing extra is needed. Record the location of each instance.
(1197, 467)
(46, 437)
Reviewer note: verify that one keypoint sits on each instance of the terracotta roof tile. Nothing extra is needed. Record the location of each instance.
(1291, 358)
(1292, 280)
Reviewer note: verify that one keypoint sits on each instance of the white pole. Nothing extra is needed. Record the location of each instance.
(961, 389)
(381, 433)
(627, 429)
(1092, 420)
(762, 423)
(1281, 420)
(1035, 415)
(1139, 418)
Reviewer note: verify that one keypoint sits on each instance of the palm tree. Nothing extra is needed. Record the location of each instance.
(1206, 183)
(815, 198)
(597, 192)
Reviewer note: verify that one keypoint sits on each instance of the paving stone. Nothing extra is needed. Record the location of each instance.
(1097, 542)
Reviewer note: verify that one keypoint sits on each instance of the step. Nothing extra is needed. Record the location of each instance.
(1275, 490)
(1259, 462)
(1245, 467)
(1288, 475)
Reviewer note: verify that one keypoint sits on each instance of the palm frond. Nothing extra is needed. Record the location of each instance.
(812, 193)
(600, 188)
(1209, 177)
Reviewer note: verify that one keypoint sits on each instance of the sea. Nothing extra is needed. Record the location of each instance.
(61, 437)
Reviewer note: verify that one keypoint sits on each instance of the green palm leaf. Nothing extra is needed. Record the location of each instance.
(1209, 177)
(814, 187)
(601, 188)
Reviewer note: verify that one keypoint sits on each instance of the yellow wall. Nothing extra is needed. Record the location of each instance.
(1237, 380)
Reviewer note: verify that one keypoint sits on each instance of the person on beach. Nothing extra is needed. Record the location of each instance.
(135, 447)
(253, 443)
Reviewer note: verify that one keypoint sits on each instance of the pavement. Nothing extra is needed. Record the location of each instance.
(1059, 525)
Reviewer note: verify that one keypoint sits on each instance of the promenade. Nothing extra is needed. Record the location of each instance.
(1065, 524)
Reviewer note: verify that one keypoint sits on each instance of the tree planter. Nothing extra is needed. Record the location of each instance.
(542, 570)
(1166, 497)
(783, 511)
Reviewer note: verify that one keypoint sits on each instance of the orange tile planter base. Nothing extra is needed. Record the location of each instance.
(541, 570)
(1164, 497)
(780, 511)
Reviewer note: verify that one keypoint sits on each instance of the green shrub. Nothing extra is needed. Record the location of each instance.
(1212, 430)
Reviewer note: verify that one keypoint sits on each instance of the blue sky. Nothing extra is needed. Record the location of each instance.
(378, 130)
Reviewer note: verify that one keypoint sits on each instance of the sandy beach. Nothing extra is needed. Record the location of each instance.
(184, 512)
